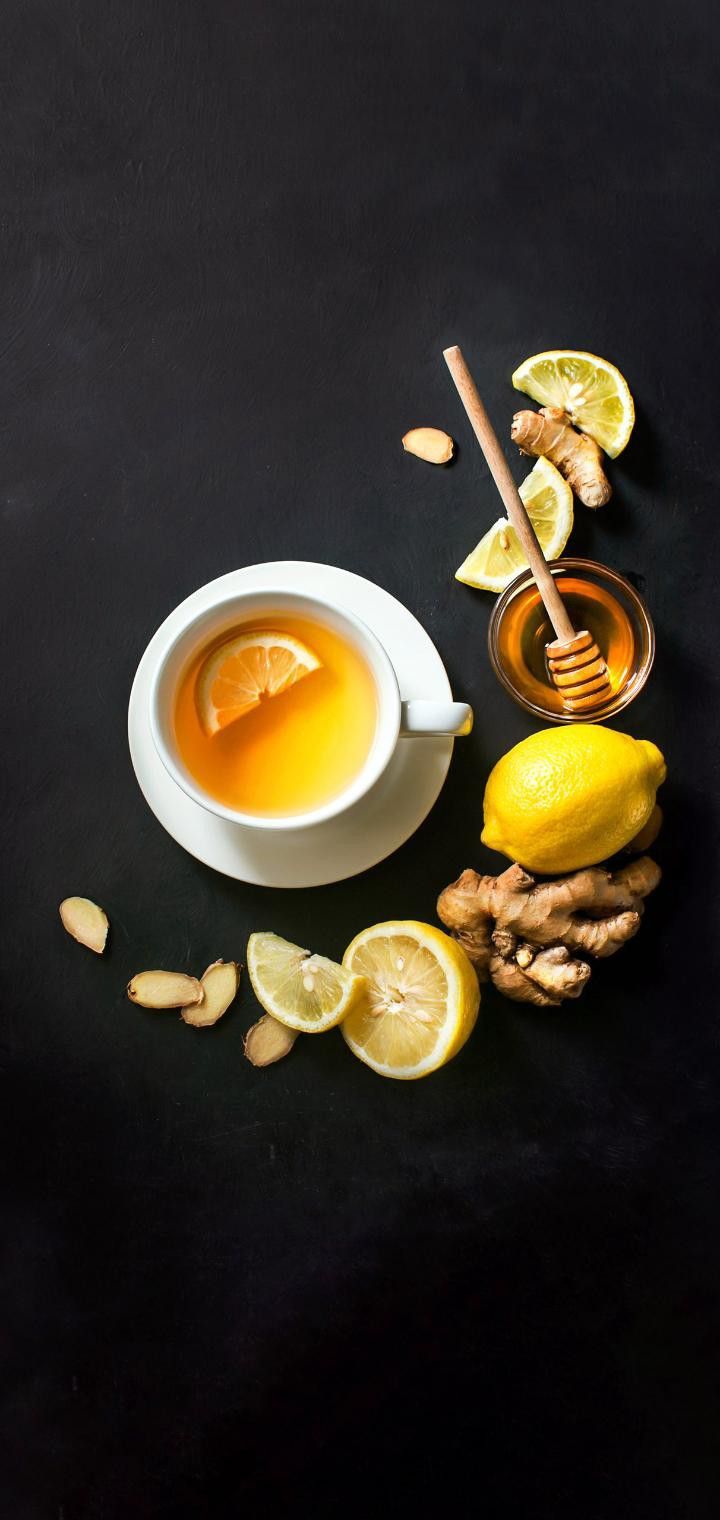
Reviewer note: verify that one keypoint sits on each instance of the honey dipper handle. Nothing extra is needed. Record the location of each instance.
(512, 501)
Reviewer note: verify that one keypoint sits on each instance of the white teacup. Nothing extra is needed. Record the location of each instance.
(396, 719)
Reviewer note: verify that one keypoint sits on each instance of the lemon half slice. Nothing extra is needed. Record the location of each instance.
(499, 556)
(301, 990)
(592, 391)
(421, 1002)
(239, 673)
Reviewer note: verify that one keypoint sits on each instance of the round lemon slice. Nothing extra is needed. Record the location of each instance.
(499, 556)
(239, 673)
(592, 391)
(421, 1001)
(303, 991)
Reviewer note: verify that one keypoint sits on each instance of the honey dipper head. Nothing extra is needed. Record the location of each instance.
(578, 671)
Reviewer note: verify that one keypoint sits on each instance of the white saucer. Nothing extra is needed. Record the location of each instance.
(380, 822)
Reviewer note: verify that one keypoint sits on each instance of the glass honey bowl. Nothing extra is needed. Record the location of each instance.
(598, 599)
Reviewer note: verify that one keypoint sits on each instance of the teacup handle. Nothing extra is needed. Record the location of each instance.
(420, 719)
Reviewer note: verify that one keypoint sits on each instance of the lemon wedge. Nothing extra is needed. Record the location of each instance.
(499, 556)
(239, 673)
(592, 392)
(421, 1001)
(302, 991)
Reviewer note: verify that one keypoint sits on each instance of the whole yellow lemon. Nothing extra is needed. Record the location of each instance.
(569, 797)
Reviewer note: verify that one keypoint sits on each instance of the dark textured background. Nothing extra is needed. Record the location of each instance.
(235, 239)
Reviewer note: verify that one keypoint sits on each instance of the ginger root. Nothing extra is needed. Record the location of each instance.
(524, 934)
(576, 456)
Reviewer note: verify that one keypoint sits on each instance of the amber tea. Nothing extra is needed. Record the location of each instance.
(291, 752)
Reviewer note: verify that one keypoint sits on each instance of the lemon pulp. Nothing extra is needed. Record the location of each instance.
(421, 999)
(499, 556)
(303, 991)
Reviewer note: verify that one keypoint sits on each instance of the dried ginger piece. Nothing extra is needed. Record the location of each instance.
(429, 443)
(268, 1041)
(86, 922)
(164, 989)
(219, 984)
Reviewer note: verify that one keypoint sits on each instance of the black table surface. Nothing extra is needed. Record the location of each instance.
(236, 238)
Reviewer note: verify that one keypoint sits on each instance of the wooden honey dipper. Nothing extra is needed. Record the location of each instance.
(576, 666)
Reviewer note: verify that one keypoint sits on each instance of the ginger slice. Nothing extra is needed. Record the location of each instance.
(164, 989)
(86, 922)
(429, 443)
(268, 1041)
(219, 984)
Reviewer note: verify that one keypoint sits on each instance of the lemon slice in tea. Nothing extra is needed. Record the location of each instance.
(593, 393)
(303, 991)
(499, 556)
(239, 673)
(421, 1002)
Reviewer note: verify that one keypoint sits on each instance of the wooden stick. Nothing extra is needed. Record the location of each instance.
(512, 501)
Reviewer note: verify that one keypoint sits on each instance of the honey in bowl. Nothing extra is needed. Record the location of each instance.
(295, 751)
(597, 599)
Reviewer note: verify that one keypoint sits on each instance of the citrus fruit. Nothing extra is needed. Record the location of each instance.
(301, 990)
(591, 391)
(421, 999)
(570, 797)
(237, 675)
(499, 556)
